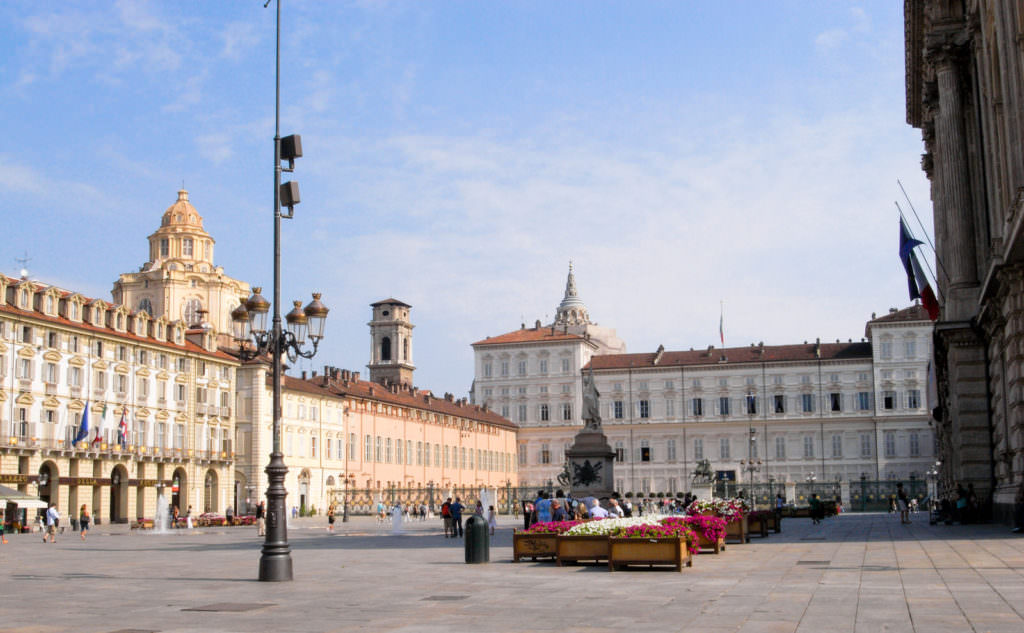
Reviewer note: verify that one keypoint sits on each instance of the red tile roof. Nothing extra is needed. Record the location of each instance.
(913, 313)
(735, 356)
(421, 400)
(530, 335)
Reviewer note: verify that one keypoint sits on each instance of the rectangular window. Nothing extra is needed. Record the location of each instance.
(419, 453)
(886, 349)
(75, 376)
(807, 402)
(437, 455)
(50, 372)
(545, 454)
(487, 370)
(889, 400)
(645, 451)
(368, 449)
(751, 404)
(329, 446)
(504, 368)
(565, 365)
(544, 415)
(617, 409)
(698, 448)
(566, 411)
(837, 446)
(670, 408)
(915, 445)
(890, 444)
(642, 386)
(808, 446)
(723, 448)
(447, 456)
(780, 403)
(669, 385)
(723, 405)
(544, 366)
(164, 247)
(914, 399)
(522, 368)
(312, 447)
(645, 408)
(698, 407)
(670, 449)
(835, 401)
(522, 454)
(865, 445)
(863, 400)
(378, 453)
(186, 247)
(352, 446)
(24, 371)
(522, 413)
(780, 447)
(566, 388)
(910, 349)
(620, 452)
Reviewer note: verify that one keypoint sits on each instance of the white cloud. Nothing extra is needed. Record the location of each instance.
(830, 39)
(240, 38)
(215, 148)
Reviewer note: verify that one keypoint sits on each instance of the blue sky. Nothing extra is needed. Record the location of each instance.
(458, 154)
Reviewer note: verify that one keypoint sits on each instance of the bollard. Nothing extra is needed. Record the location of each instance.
(477, 540)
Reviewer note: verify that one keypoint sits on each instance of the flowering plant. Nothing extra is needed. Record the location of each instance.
(712, 528)
(729, 509)
(605, 527)
(550, 527)
(653, 531)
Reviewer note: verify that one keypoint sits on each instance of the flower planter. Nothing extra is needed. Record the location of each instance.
(737, 531)
(573, 549)
(758, 524)
(533, 546)
(623, 552)
(706, 543)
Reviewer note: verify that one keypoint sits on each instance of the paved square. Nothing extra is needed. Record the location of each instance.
(860, 573)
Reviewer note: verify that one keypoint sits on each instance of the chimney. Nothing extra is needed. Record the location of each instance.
(536, 324)
(303, 374)
(355, 376)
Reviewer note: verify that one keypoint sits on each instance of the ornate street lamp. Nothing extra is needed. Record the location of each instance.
(249, 324)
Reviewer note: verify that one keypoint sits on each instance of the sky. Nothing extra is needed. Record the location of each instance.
(694, 160)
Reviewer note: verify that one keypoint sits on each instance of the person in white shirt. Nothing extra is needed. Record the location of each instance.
(615, 510)
(52, 521)
(597, 512)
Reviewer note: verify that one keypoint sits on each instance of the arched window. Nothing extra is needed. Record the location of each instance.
(146, 306)
(405, 349)
(385, 348)
(186, 247)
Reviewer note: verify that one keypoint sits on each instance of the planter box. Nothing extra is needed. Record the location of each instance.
(533, 546)
(572, 549)
(705, 543)
(758, 525)
(623, 552)
(774, 522)
(737, 531)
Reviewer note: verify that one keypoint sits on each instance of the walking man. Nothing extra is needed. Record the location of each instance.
(52, 521)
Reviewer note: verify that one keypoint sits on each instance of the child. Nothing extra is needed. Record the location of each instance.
(492, 519)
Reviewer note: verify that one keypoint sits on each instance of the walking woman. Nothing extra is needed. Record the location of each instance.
(83, 521)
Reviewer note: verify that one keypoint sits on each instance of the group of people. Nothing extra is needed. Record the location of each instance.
(451, 516)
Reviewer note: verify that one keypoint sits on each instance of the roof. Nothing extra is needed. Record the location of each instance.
(416, 399)
(395, 302)
(531, 335)
(187, 346)
(734, 356)
(913, 313)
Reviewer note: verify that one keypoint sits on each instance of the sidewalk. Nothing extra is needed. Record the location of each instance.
(854, 573)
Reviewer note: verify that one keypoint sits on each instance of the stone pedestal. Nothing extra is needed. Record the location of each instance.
(703, 491)
(592, 461)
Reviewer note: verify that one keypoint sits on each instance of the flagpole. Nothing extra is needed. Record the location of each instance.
(927, 265)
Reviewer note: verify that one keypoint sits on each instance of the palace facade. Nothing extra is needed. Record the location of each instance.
(792, 413)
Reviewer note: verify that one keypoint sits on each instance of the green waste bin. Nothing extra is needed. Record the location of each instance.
(477, 540)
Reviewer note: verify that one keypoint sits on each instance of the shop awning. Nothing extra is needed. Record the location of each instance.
(20, 499)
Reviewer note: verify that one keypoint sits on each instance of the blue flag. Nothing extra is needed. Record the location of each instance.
(907, 244)
(83, 431)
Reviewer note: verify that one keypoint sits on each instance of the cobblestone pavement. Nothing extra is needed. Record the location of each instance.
(862, 573)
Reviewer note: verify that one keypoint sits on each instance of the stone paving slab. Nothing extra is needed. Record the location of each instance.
(855, 573)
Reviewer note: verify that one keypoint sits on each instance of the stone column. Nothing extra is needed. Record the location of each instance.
(956, 251)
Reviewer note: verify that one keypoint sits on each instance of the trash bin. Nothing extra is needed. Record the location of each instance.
(477, 540)
(74, 524)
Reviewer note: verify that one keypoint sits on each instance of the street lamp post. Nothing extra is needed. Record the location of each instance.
(249, 321)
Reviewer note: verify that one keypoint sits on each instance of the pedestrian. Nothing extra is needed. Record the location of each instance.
(904, 504)
(330, 517)
(83, 521)
(52, 522)
(446, 517)
(815, 509)
(557, 511)
(615, 511)
(542, 507)
(188, 518)
(3, 517)
(261, 521)
(456, 510)
(230, 515)
(492, 519)
(175, 514)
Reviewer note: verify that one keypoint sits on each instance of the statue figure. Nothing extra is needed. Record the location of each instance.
(565, 477)
(591, 408)
(702, 472)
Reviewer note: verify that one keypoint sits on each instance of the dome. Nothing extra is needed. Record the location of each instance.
(572, 310)
(182, 212)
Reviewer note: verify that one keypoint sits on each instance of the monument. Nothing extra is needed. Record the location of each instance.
(703, 480)
(591, 459)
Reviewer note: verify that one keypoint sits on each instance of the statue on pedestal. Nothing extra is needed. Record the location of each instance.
(590, 456)
(591, 407)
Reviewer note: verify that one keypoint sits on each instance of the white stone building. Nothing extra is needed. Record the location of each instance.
(792, 413)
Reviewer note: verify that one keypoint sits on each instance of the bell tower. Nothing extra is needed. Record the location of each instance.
(391, 343)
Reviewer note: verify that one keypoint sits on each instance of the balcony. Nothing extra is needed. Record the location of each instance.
(50, 389)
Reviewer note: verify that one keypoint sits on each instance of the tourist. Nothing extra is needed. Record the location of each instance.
(83, 521)
(261, 521)
(188, 517)
(527, 514)
(446, 517)
(816, 511)
(230, 515)
(456, 509)
(904, 503)
(492, 519)
(627, 508)
(596, 511)
(616, 511)
(542, 507)
(330, 517)
(52, 522)
(557, 511)
(175, 515)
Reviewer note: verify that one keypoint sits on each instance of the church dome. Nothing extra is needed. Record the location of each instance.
(572, 310)
(182, 213)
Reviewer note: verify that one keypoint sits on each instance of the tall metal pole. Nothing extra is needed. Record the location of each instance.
(276, 559)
